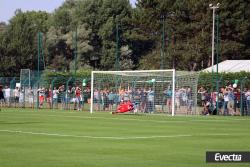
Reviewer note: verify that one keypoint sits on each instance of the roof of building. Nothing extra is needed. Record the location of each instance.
(231, 66)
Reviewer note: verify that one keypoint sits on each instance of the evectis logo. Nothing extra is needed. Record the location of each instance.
(226, 157)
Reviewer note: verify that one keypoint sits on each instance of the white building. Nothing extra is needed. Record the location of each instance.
(231, 66)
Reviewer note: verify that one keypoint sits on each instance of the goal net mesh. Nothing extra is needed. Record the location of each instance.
(151, 91)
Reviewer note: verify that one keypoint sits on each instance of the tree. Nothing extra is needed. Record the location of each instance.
(19, 40)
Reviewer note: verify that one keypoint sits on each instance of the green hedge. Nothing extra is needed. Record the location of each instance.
(209, 80)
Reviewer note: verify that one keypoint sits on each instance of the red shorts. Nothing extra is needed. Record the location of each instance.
(41, 99)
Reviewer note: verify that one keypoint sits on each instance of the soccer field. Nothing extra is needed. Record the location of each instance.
(47, 139)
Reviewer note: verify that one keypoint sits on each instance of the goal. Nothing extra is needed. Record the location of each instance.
(151, 91)
(25, 77)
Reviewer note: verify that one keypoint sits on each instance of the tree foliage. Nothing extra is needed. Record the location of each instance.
(89, 28)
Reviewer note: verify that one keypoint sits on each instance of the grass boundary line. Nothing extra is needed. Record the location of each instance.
(93, 137)
(118, 138)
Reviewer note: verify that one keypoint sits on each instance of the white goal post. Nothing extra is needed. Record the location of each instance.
(151, 91)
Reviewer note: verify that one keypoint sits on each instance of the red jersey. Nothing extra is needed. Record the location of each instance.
(78, 93)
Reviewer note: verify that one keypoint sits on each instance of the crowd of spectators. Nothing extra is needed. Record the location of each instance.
(145, 100)
(43, 97)
(230, 100)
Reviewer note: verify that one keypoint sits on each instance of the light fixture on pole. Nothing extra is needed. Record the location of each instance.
(213, 7)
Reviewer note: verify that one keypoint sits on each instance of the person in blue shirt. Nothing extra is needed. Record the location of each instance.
(168, 96)
(150, 102)
(137, 100)
(111, 98)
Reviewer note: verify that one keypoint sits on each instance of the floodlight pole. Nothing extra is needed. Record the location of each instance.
(217, 62)
(213, 7)
(213, 40)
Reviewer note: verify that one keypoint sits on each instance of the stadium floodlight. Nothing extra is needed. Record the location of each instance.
(152, 91)
(213, 7)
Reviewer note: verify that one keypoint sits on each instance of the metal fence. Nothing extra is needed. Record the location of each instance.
(69, 93)
(45, 93)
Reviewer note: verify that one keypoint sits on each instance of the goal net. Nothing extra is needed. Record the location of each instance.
(151, 91)
(25, 77)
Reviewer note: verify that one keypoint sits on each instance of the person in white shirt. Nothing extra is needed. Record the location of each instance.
(226, 100)
(55, 97)
(7, 96)
(41, 93)
(31, 97)
(16, 95)
(21, 98)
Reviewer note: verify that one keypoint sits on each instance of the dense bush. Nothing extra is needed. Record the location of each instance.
(209, 80)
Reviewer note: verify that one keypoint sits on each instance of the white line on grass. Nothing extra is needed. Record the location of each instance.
(93, 137)
(120, 138)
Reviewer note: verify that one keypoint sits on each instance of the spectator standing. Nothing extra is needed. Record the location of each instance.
(7, 96)
(96, 99)
(190, 100)
(137, 102)
(82, 99)
(16, 96)
(226, 99)
(202, 93)
(62, 95)
(178, 98)
(111, 98)
(220, 101)
(244, 102)
(41, 94)
(48, 93)
(231, 100)
(22, 97)
(55, 97)
(143, 100)
(126, 96)
(1, 96)
(248, 101)
(31, 97)
(168, 95)
(77, 99)
(237, 101)
(150, 97)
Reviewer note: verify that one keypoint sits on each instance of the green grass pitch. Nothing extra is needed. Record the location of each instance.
(43, 138)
